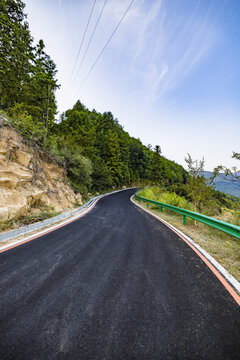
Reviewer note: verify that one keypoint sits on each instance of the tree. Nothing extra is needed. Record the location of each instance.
(157, 149)
(114, 154)
(16, 53)
(198, 187)
(79, 128)
(234, 172)
(27, 74)
(44, 85)
(139, 160)
(101, 177)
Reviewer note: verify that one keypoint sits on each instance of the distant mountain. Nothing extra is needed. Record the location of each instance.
(224, 183)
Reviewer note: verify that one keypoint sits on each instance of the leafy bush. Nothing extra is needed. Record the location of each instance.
(163, 196)
(210, 207)
(80, 170)
(24, 124)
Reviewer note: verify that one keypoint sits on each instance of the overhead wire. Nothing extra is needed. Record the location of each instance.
(90, 40)
(81, 45)
(108, 41)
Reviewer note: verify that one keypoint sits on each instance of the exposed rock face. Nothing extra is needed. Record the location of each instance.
(28, 181)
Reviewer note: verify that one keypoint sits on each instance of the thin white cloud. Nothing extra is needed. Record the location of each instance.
(161, 46)
(157, 46)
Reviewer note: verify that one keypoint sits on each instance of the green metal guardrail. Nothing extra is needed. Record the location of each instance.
(228, 228)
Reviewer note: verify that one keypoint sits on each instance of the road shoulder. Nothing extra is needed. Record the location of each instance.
(229, 282)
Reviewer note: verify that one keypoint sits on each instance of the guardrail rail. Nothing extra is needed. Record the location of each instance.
(224, 226)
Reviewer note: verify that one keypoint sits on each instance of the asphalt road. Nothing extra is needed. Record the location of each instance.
(115, 284)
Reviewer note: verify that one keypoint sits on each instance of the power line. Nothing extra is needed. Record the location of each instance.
(80, 47)
(95, 27)
(110, 38)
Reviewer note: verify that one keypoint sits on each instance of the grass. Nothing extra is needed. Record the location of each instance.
(76, 205)
(27, 220)
(223, 247)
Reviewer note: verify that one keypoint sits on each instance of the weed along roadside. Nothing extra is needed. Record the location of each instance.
(223, 247)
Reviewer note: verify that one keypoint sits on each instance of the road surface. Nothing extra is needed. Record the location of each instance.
(115, 284)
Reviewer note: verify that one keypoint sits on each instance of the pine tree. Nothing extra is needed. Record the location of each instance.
(16, 54)
(114, 162)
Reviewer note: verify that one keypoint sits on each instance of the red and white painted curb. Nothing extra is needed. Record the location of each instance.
(46, 231)
(55, 227)
(219, 271)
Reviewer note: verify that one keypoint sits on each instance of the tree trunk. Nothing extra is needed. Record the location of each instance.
(47, 115)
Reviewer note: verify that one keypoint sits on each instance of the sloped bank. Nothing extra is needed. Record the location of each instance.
(29, 182)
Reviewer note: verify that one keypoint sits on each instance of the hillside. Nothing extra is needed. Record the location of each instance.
(96, 152)
(87, 150)
(225, 184)
(30, 183)
(107, 155)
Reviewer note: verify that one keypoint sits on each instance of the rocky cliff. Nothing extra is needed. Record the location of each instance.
(29, 182)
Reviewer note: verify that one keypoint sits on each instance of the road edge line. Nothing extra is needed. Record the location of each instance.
(219, 271)
(57, 226)
(46, 231)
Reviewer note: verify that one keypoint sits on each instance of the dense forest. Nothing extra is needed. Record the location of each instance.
(95, 150)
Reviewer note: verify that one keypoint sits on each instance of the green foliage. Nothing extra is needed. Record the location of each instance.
(27, 73)
(15, 52)
(139, 159)
(163, 196)
(233, 173)
(27, 219)
(117, 159)
(42, 215)
(101, 176)
(180, 195)
(80, 170)
(25, 124)
(78, 167)
(94, 149)
(113, 155)
(198, 187)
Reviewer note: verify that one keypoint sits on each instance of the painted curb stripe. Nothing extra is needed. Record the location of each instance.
(55, 227)
(44, 232)
(233, 293)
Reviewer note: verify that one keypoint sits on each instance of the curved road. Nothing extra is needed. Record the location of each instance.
(115, 284)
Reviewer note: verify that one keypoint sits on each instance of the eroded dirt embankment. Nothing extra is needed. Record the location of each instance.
(29, 182)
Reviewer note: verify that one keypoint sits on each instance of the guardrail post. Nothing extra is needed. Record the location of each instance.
(228, 228)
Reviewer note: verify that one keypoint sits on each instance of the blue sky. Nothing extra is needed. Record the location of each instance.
(171, 73)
